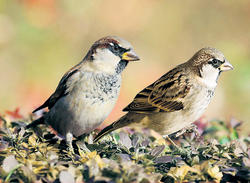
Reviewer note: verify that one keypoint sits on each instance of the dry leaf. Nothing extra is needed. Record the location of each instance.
(215, 173)
(66, 177)
(9, 163)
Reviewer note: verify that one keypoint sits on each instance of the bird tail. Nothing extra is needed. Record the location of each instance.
(104, 132)
(123, 121)
(36, 122)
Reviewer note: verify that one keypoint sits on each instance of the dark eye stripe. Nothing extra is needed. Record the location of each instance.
(117, 50)
(216, 63)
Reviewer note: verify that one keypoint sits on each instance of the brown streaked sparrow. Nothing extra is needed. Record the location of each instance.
(88, 92)
(178, 98)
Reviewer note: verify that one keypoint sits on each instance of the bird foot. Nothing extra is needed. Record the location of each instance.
(80, 141)
(189, 129)
(82, 146)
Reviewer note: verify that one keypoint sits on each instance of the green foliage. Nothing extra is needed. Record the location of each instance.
(219, 155)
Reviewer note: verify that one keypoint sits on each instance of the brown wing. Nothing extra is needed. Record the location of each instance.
(165, 95)
(61, 90)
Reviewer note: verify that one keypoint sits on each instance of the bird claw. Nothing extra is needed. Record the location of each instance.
(82, 146)
(81, 142)
(78, 142)
(189, 129)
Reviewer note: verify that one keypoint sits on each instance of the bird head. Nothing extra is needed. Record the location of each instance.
(110, 55)
(209, 63)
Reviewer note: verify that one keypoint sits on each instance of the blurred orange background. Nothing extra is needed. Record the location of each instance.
(42, 39)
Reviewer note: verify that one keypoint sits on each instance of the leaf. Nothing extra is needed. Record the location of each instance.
(28, 173)
(9, 163)
(3, 144)
(195, 160)
(246, 162)
(91, 155)
(14, 114)
(234, 135)
(145, 143)
(224, 140)
(66, 177)
(135, 141)
(32, 140)
(124, 157)
(215, 173)
(238, 152)
(164, 159)
(231, 171)
(179, 173)
(157, 150)
(43, 157)
(125, 140)
(235, 123)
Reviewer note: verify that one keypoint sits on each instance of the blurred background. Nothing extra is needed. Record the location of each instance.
(41, 39)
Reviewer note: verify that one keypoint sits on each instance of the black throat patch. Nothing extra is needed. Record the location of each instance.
(121, 66)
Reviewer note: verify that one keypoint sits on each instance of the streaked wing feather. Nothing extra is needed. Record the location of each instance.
(61, 90)
(165, 95)
(140, 102)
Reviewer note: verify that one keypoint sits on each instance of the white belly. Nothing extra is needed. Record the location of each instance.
(91, 116)
(167, 123)
(192, 112)
(84, 108)
(80, 117)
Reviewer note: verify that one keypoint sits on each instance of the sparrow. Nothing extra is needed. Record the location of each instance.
(178, 98)
(87, 93)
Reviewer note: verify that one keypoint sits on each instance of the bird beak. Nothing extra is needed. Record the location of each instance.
(130, 56)
(226, 66)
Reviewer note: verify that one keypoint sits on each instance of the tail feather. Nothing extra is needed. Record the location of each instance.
(104, 132)
(39, 108)
(123, 121)
(36, 122)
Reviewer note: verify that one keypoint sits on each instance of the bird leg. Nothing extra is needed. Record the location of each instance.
(69, 139)
(191, 128)
(170, 140)
(81, 143)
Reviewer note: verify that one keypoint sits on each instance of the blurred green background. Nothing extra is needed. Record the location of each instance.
(42, 39)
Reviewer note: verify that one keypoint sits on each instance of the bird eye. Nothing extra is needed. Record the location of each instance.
(116, 47)
(215, 61)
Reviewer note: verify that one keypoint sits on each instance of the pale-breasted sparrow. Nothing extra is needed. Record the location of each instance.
(88, 92)
(178, 98)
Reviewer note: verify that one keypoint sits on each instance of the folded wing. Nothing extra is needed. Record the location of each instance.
(164, 95)
(61, 90)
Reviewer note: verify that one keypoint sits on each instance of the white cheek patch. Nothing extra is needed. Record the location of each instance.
(105, 60)
(209, 75)
(104, 55)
